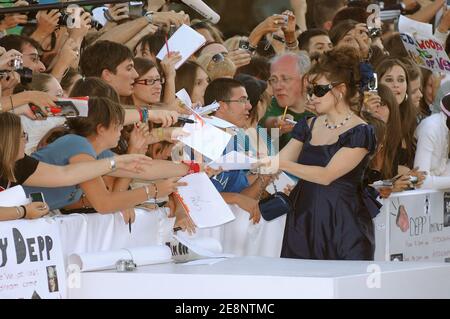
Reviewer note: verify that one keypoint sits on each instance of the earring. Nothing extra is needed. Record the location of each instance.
(406, 97)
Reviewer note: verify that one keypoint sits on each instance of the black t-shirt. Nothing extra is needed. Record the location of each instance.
(25, 167)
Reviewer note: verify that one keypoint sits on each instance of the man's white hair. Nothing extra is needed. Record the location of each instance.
(302, 58)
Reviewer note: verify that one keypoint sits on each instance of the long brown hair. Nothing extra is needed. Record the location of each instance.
(10, 134)
(102, 111)
(393, 138)
(340, 66)
(408, 112)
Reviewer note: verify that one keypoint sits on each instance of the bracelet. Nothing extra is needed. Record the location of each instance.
(108, 16)
(144, 115)
(147, 192)
(193, 167)
(112, 164)
(149, 16)
(12, 104)
(19, 212)
(160, 133)
(24, 211)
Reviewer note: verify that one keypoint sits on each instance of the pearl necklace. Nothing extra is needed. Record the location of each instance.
(333, 127)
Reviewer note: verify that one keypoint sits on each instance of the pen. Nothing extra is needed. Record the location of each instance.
(167, 45)
(129, 226)
(186, 120)
(284, 114)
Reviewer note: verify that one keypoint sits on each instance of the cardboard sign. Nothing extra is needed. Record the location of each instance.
(426, 52)
(31, 261)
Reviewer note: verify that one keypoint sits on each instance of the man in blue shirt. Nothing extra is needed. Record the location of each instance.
(235, 186)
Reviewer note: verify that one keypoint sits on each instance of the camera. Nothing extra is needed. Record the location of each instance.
(123, 265)
(243, 44)
(64, 19)
(374, 32)
(37, 197)
(372, 85)
(25, 74)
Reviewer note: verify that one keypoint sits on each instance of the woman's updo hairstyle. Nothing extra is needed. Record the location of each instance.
(339, 66)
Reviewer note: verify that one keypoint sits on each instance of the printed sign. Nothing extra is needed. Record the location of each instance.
(31, 261)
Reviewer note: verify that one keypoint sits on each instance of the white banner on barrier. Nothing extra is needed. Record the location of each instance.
(31, 262)
(419, 226)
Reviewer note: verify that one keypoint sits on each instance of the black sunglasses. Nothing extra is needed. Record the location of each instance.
(320, 90)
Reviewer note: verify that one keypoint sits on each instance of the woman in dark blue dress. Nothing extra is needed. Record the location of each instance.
(333, 212)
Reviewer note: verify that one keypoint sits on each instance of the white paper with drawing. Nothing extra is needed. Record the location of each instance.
(233, 161)
(205, 139)
(281, 183)
(206, 206)
(186, 41)
(184, 97)
(14, 196)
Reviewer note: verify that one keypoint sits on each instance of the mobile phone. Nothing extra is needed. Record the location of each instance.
(68, 109)
(373, 83)
(37, 197)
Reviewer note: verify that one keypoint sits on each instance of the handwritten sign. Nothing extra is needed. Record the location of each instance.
(426, 52)
(419, 226)
(31, 261)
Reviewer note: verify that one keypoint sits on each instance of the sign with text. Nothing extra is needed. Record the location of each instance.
(31, 261)
(419, 226)
(427, 52)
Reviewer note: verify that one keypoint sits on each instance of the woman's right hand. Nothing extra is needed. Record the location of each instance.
(402, 183)
(251, 206)
(139, 136)
(168, 186)
(36, 210)
(43, 100)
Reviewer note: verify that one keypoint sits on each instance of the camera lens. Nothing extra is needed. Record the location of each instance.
(26, 75)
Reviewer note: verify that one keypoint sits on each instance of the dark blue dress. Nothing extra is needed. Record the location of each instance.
(333, 221)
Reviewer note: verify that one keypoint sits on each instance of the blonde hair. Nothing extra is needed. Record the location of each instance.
(10, 134)
(215, 70)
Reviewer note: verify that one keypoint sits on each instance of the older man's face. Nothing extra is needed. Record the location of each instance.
(286, 81)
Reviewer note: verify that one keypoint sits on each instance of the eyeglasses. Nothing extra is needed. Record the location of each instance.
(284, 80)
(242, 100)
(320, 90)
(25, 136)
(150, 81)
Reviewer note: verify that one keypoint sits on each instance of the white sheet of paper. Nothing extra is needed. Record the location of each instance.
(81, 103)
(186, 41)
(107, 259)
(14, 196)
(208, 108)
(218, 122)
(281, 183)
(206, 206)
(233, 161)
(184, 97)
(407, 25)
(205, 139)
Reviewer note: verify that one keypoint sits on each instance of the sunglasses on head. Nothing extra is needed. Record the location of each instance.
(320, 90)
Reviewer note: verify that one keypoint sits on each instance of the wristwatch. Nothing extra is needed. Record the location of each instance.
(112, 164)
(149, 16)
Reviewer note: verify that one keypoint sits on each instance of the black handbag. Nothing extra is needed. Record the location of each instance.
(275, 205)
